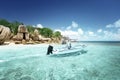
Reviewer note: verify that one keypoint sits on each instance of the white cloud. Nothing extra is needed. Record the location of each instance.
(107, 33)
(69, 27)
(72, 34)
(111, 36)
(115, 24)
(69, 33)
(90, 33)
(118, 31)
(39, 26)
(80, 31)
(101, 34)
(66, 32)
(109, 26)
(99, 30)
(74, 24)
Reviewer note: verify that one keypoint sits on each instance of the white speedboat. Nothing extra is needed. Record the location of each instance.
(64, 52)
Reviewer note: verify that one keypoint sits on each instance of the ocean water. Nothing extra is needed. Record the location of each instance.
(94, 61)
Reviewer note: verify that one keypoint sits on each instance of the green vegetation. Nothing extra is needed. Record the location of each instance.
(57, 34)
(46, 32)
(12, 25)
(4, 22)
(30, 29)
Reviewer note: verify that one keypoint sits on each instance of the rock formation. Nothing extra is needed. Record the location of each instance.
(4, 34)
(36, 35)
(64, 40)
(22, 33)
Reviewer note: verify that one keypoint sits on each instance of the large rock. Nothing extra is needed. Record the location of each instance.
(22, 29)
(36, 35)
(36, 32)
(22, 33)
(4, 34)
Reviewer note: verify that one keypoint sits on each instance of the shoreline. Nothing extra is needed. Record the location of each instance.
(9, 43)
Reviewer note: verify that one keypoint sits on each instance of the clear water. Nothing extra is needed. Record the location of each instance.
(97, 61)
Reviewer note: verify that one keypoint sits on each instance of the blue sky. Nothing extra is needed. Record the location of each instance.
(78, 19)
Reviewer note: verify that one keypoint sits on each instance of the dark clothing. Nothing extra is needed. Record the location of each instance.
(49, 50)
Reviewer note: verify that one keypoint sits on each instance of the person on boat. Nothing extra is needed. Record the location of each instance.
(49, 50)
(69, 44)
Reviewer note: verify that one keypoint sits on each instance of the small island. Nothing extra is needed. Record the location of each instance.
(18, 33)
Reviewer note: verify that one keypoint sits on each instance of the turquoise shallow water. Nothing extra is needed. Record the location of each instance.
(97, 61)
